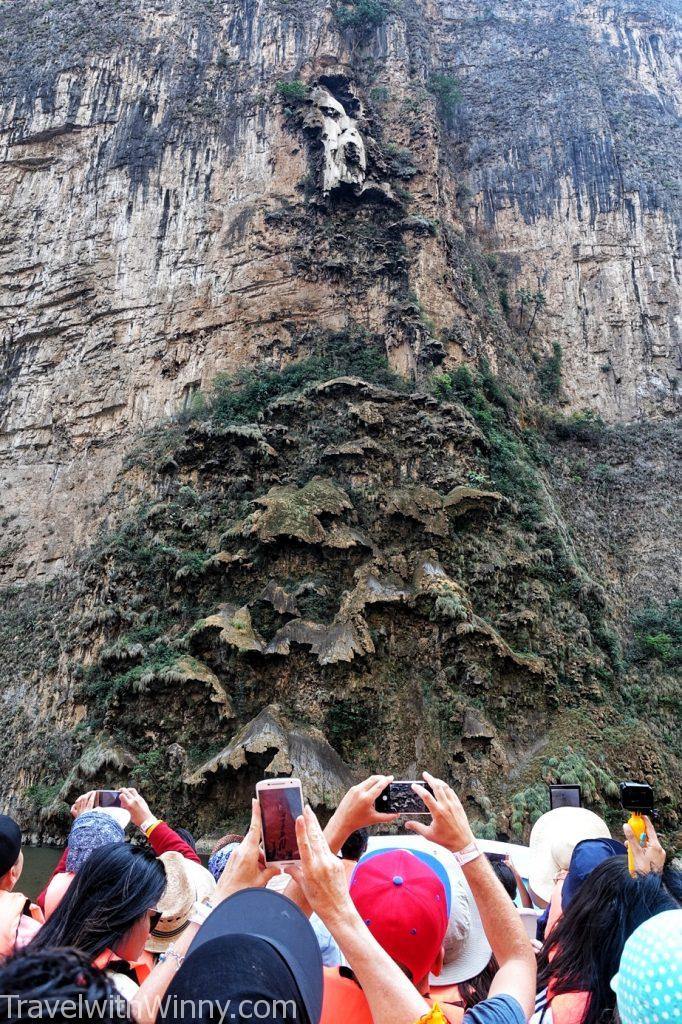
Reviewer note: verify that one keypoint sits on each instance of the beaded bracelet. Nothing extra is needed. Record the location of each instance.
(170, 954)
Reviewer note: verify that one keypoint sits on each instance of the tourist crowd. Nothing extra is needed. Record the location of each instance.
(424, 927)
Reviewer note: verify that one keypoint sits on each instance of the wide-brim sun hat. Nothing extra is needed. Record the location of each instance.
(187, 883)
(254, 914)
(467, 948)
(553, 838)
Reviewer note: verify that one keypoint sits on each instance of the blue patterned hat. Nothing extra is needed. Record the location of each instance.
(218, 860)
(89, 831)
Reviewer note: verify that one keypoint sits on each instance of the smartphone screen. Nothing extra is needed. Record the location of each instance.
(108, 798)
(400, 798)
(564, 796)
(280, 807)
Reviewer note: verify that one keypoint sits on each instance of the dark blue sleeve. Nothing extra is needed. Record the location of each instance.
(498, 1010)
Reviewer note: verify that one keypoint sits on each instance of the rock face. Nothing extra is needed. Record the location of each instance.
(190, 185)
(422, 602)
(196, 187)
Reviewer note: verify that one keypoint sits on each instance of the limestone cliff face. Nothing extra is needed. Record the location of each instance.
(169, 214)
(196, 187)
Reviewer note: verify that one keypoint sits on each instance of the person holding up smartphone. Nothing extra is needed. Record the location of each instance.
(512, 991)
(100, 828)
(193, 966)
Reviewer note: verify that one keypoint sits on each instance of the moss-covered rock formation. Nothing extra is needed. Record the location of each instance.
(388, 570)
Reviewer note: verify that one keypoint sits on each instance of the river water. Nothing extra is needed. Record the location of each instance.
(39, 863)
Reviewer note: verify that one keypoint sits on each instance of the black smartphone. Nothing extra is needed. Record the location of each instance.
(108, 798)
(495, 858)
(637, 796)
(565, 796)
(400, 798)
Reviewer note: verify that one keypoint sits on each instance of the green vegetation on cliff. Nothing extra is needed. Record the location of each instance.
(381, 563)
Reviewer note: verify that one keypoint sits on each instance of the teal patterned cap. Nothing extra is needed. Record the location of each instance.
(648, 985)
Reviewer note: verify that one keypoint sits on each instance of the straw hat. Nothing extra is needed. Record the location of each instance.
(552, 841)
(186, 883)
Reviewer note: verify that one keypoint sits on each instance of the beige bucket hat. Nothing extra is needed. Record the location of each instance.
(465, 946)
(186, 884)
(552, 840)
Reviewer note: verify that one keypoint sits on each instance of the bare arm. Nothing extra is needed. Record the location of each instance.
(356, 810)
(450, 828)
(244, 870)
(507, 936)
(144, 1007)
(650, 857)
(392, 998)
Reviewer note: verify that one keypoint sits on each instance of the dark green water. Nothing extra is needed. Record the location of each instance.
(39, 863)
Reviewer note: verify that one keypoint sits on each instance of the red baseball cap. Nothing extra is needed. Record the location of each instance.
(404, 903)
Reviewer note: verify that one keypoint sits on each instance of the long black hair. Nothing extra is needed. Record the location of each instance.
(115, 887)
(51, 978)
(583, 950)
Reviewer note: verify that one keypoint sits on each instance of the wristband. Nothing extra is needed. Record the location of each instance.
(469, 853)
(200, 911)
(149, 825)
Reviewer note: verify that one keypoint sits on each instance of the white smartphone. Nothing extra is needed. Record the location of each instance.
(281, 803)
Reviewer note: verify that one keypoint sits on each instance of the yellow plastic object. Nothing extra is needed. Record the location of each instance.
(638, 826)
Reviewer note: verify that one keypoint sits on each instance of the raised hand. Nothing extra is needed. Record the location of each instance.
(321, 874)
(85, 802)
(136, 805)
(449, 825)
(245, 868)
(357, 810)
(650, 858)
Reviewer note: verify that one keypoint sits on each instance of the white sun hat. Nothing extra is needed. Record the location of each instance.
(552, 840)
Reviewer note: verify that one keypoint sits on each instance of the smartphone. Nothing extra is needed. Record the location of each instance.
(565, 796)
(496, 858)
(281, 803)
(400, 798)
(107, 798)
(637, 796)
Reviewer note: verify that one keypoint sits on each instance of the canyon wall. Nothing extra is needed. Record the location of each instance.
(165, 215)
(201, 187)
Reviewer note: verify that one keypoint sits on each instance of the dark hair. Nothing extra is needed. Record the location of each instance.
(51, 978)
(187, 837)
(115, 887)
(474, 990)
(506, 876)
(583, 950)
(355, 845)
